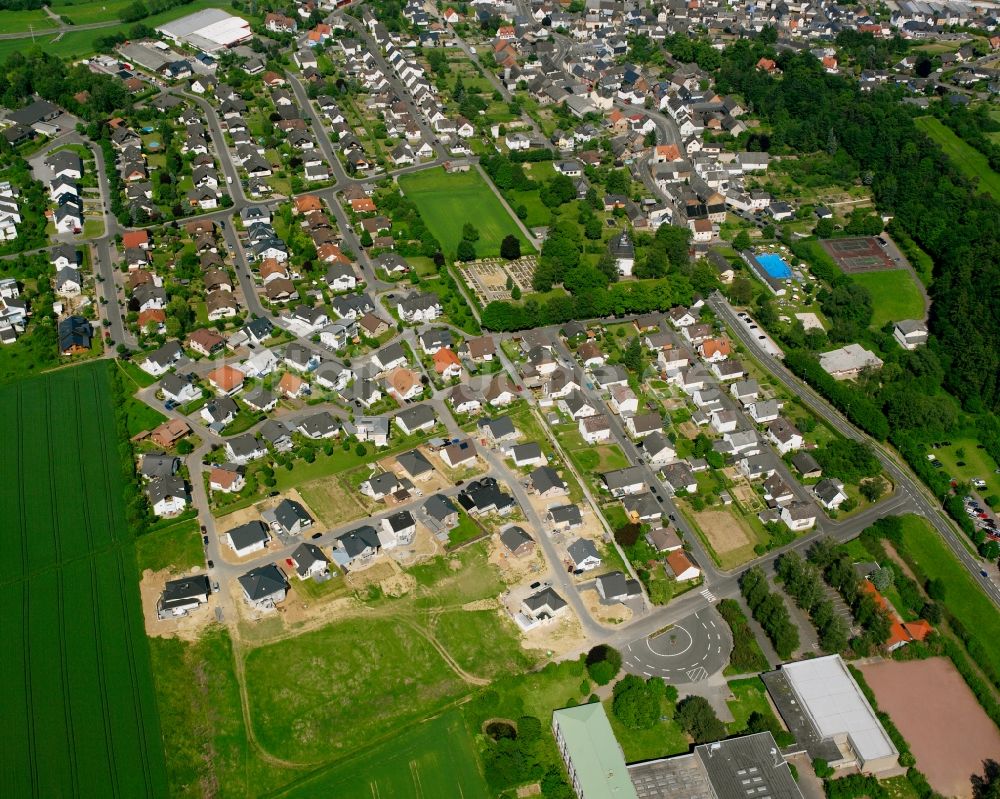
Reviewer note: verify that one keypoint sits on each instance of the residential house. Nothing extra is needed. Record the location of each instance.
(264, 587)
(248, 538)
(584, 555)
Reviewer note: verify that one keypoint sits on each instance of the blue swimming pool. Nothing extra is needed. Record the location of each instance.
(775, 266)
(148, 129)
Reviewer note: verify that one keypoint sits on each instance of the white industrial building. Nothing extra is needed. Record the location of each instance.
(209, 30)
(826, 709)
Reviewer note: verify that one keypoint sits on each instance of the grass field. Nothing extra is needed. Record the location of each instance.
(462, 633)
(966, 158)
(446, 202)
(662, 739)
(964, 598)
(78, 691)
(434, 759)
(894, 295)
(17, 21)
(177, 547)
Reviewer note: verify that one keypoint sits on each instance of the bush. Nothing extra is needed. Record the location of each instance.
(636, 702)
(747, 656)
(822, 768)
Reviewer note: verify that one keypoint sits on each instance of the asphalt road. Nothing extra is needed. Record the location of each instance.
(691, 650)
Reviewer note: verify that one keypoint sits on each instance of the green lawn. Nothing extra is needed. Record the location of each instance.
(324, 693)
(16, 21)
(79, 702)
(436, 759)
(963, 597)
(976, 463)
(749, 696)
(664, 738)
(141, 417)
(465, 531)
(966, 158)
(133, 373)
(177, 548)
(462, 633)
(446, 202)
(895, 295)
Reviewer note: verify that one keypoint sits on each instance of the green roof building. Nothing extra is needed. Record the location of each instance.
(594, 760)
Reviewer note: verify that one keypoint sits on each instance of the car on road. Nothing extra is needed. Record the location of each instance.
(535, 585)
(274, 493)
(204, 540)
(211, 564)
(215, 586)
(170, 405)
(203, 529)
(983, 572)
(316, 535)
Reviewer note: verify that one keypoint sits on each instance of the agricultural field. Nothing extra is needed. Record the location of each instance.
(967, 159)
(963, 597)
(446, 202)
(78, 680)
(28, 20)
(435, 759)
(895, 295)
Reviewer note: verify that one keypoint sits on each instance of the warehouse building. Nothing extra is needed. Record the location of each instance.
(209, 30)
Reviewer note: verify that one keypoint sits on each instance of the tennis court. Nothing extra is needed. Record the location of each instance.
(858, 254)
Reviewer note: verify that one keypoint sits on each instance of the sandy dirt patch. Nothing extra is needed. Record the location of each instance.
(423, 546)
(513, 569)
(722, 530)
(607, 614)
(187, 627)
(380, 569)
(557, 639)
(688, 430)
(948, 732)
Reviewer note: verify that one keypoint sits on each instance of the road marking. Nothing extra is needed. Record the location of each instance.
(711, 598)
(646, 674)
(698, 673)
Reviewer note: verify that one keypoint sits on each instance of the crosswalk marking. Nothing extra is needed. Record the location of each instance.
(708, 595)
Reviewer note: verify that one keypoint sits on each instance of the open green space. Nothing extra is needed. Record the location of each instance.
(963, 597)
(141, 417)
(465, 530)
(435, 759)
(749, 696)
(361, 678)
(462, 633)
(79, 700)
(447, 201)
(976, 463)
(966, 158)
(176, 547)
(895, 295)
(27, 20)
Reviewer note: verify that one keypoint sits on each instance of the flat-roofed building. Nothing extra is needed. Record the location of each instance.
(826, 710)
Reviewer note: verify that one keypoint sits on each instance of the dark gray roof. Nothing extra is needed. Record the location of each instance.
(545, 598)
(163, 487)
(183, 590)
(356, 541)
(263, 581)
(319, 424)
(159, 464)
(544, 478)
(805, 463)
(288, 513)
(414, 462)
(616, 585)
(513, 537)
(305, 555)
(439, 507)
(273, 430)
(417, 416)
(245, 444)
(581, 549)
(527, 451)
(483, 495)
(566, 514)
(250, 533)
(620, 478)
(500, 427)
(732, 762)
(401, 520)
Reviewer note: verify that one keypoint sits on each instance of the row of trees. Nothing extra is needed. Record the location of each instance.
(746, 656)
(804, 584)
(770, 611)
(837, 567)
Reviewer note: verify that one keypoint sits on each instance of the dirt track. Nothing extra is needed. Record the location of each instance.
(938, 715)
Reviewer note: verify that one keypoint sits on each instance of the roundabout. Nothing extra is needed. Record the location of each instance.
(689, 651)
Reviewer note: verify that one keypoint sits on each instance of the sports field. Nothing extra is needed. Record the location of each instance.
(447, 201)
(434, 759)
(966, 158)
(895, 295)
(80, 712)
